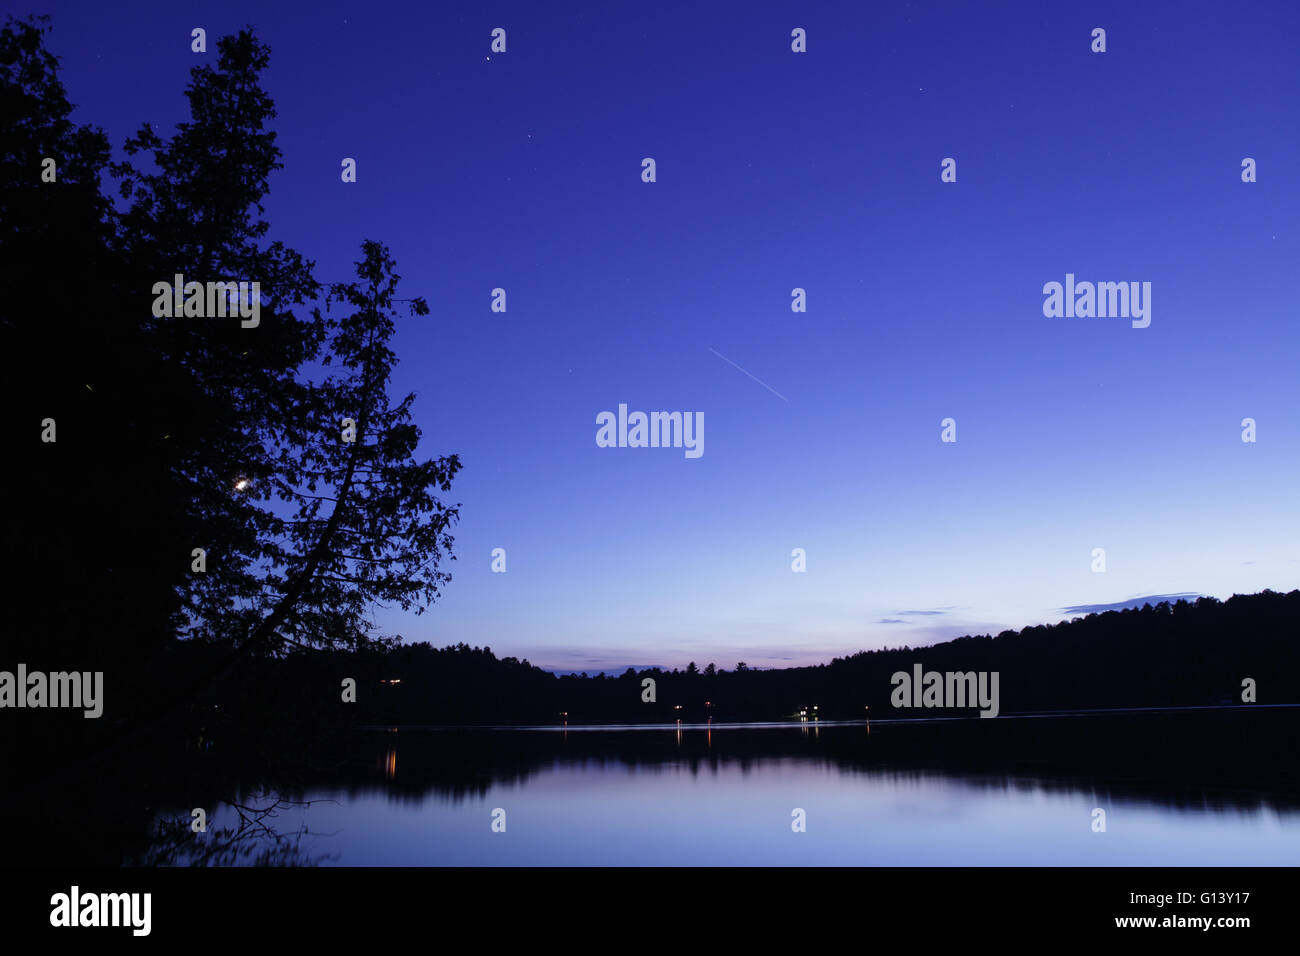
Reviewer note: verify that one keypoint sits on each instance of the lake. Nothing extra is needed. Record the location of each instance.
(1205, 787)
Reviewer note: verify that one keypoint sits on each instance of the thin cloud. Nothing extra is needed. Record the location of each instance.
(1136, 602)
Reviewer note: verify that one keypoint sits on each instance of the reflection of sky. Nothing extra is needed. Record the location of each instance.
(818, 170)
(668, 815)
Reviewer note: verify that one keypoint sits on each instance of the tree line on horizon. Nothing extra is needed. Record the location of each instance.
(1165, 655)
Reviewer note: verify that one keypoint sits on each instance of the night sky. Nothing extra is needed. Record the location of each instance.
(816, 170)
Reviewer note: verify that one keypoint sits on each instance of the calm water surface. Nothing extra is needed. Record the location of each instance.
(942, 794)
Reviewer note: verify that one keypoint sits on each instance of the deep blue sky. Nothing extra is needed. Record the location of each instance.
(817, 170)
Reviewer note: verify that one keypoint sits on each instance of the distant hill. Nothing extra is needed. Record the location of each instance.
(1171, 654)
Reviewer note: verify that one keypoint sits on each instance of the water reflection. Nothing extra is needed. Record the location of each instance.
(250, 833)
(1176, 766)
(1182, 789)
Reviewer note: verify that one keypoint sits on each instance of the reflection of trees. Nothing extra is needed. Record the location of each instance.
(1187, 761)
(255, 840)
(1195, 762)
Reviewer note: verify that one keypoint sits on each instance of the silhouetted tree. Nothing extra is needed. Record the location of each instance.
(380, 534)
(233, 393)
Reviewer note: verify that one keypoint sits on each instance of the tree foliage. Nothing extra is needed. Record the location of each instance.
(184, 433)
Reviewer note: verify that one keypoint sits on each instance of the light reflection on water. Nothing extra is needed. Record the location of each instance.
(679, 795)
